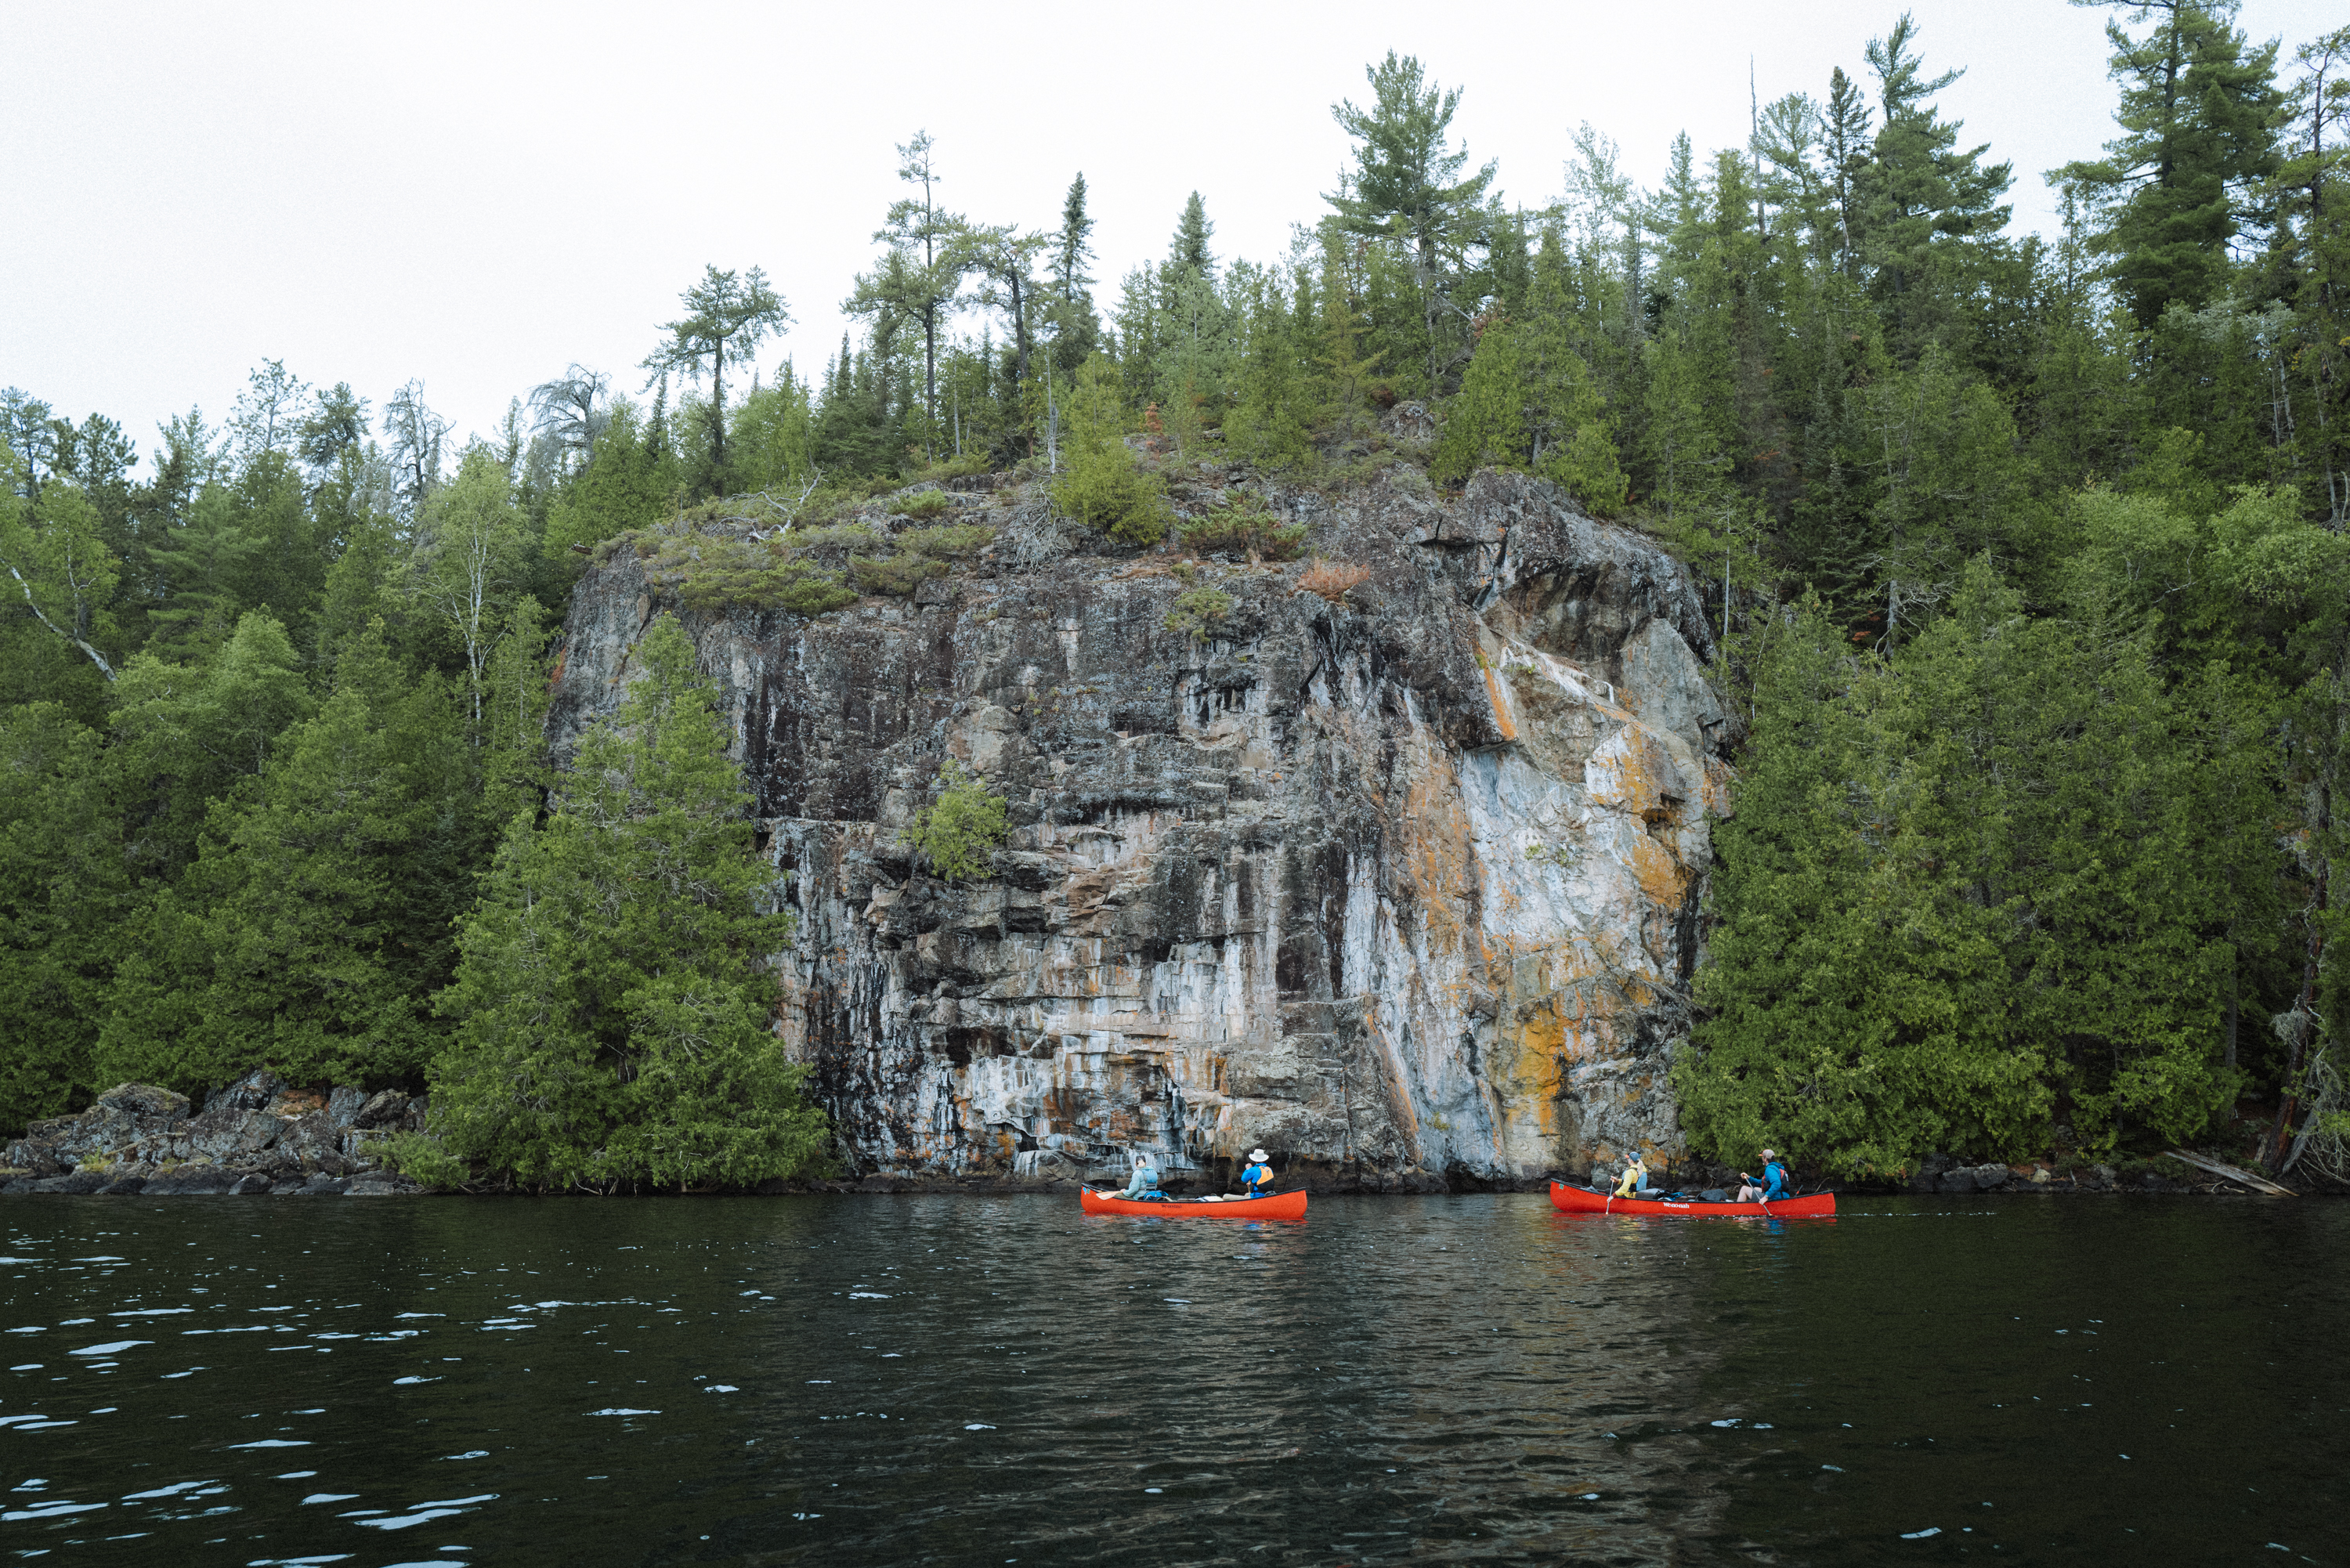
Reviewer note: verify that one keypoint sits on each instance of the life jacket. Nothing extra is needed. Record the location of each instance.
(1256, 1178)
(1774, 1179)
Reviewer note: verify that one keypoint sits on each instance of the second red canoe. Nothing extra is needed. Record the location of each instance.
(1583, 1200)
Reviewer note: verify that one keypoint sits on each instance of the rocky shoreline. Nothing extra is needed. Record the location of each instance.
(261, 1136)
(257, 1135)
(1937, 1176)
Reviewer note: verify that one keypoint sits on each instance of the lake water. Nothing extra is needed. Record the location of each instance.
(852, 1380)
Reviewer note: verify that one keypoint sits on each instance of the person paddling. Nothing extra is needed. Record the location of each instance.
(1635, 1179)
(1775, 1182)
(1257, 1180)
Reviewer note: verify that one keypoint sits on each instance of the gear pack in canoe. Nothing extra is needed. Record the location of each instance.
(1272, 1206)
(1583, 1200)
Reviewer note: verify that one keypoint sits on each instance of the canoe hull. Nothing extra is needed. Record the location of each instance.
(1581, 1200)
(1277, 1206)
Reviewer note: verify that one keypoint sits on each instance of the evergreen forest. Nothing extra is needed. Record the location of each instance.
(2031, 554)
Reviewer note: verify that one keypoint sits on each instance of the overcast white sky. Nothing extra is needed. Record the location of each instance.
(478, 194)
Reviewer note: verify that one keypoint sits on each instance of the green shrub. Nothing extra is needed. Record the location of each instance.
(925, 505)
(838, 536)
(817, 593)
(947, 541)
(1109, 492)
(1246, 526)
(958, 832)
(1198, 613)
(899, 574)
(423, 1158)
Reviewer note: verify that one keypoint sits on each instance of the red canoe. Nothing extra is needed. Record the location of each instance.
(1582, 1200)
(1278, 1206)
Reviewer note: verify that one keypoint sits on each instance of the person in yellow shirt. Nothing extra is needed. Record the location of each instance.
(1635, 1179)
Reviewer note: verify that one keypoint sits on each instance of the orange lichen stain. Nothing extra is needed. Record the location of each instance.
(1541, 1044)
(1500, 702)
(1436, 853)
(1662, 876)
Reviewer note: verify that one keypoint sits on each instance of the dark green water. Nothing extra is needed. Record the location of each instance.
(996, 1380)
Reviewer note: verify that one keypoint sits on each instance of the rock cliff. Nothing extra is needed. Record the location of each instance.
(1404, 886)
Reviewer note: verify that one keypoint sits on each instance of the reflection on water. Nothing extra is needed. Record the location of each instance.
(997, 1380)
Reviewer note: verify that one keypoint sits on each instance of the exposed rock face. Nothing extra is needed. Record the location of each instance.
(1404, 888)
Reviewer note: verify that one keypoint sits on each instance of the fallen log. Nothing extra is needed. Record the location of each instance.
(2257, 1183)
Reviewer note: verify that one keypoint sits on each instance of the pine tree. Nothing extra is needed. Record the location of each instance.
(1682, 441)
(1075, 247)
(922, 273)
(727, 314)
(1346, 368)
(1273, 417)
(1188, 251)
(1845, 143)
(1407, 185)
(2199, 114)
(774, 436)
(611, 999)
(1101, 485)
(1919, 190)
(2312, 246)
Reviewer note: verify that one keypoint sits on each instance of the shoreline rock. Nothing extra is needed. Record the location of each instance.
(258, 1135)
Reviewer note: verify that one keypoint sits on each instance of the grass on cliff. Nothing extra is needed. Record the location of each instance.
(806, 571)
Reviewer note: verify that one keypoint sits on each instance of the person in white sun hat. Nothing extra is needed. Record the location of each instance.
(1258, 1177)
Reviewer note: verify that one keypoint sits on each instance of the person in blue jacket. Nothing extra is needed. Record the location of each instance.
(1257, 1180)
(1775, 1182)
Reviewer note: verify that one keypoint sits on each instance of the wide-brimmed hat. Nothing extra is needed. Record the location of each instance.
(1259, 1156)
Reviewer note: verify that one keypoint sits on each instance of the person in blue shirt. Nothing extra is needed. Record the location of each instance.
(1257, 1180)
(1143, 1187)
(1775, 1182)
